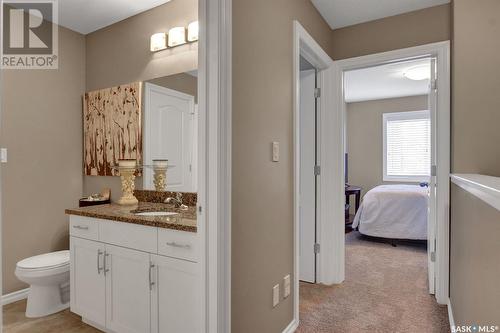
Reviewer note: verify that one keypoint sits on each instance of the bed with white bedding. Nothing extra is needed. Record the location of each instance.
(394, 211)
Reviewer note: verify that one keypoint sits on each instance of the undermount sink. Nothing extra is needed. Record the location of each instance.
(159, 213)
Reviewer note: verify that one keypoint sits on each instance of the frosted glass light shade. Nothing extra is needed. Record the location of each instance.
(176, 36)
(193, 29)
(158, 41)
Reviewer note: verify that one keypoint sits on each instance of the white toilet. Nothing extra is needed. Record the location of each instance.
(48, 277)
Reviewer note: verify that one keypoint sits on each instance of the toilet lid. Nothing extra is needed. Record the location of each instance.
(47, 260)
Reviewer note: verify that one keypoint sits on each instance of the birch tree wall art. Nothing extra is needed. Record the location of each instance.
(112, 128)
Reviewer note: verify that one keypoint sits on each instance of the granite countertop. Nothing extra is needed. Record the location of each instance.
(185, 220)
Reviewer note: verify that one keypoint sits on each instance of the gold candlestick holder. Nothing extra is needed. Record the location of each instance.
(160, 174)
(127, 170)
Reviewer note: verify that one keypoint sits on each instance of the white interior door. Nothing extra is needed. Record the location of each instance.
(307, 222)
(128, 295)
(169, 133)
(432, 217)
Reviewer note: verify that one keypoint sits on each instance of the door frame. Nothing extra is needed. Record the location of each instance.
(440, 50)
(304, 45)
(214, 162)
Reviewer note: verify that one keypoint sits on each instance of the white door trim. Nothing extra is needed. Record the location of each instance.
(214, 156)
(304, 45)
(441, 51)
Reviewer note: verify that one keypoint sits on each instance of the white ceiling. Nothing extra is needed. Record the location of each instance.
(384, 81)
(85, 16)
(342, 13)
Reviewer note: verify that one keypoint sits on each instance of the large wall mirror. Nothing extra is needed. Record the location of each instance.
(170, 130)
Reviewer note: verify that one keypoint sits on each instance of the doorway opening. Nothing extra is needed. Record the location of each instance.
(390, 152)
(336, 169)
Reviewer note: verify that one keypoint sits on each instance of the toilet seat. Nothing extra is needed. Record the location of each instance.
(43, 262)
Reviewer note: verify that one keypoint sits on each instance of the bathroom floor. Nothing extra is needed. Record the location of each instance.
(14, 321)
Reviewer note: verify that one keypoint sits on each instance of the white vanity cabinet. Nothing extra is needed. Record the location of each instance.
(176, 291)
(86, 267)
(124, 285)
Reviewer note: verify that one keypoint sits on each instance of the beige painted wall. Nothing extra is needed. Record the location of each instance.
(474, 266)
(364, 137)
(475, 226)
(42, 129)
(262, 205)
(411, 29)
(476, 82)
(182, 82)
(120, 54)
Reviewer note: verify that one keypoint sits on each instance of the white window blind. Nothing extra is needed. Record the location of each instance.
(407, 146)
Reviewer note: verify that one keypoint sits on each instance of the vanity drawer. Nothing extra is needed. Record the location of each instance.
(134, 236)
(178, 244)
(84, 227)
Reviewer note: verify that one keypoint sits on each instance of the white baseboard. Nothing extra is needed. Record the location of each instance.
(15, 296)
(292, 326)
(450, 315)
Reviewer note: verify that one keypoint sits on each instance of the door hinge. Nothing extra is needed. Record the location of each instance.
(317, 92)
(199, 209)
(433, 253)
(317, 170)
(433, 170)
(316, 248)
(434, 85)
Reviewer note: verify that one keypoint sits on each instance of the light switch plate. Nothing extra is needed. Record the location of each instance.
(276, 295)
(276, 151)
(286, 286)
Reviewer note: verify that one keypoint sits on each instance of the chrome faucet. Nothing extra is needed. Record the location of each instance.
(177, 201)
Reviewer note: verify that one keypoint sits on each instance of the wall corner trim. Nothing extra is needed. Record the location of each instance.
(15, 296)
(486, 188)
(450, 315)
(294, 324)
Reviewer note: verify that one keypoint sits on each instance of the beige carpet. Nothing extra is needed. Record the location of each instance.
(385, 291)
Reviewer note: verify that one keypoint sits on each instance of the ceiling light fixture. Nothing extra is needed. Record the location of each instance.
(418, 73)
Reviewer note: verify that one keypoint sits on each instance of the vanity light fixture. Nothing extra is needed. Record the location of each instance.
(158, 42)
(417, 73)
(176, 36)
(193, 29)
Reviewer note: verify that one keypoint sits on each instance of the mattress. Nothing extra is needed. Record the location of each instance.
(394, 211)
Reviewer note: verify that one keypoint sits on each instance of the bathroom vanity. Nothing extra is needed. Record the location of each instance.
(135, 268)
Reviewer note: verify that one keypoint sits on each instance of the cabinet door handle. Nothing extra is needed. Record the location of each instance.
(151, 282)
(174, 244)
(106, 269)
(81, 227)
(99, 268)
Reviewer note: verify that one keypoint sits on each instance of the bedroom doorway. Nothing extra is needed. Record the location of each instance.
(405, 142)
(388, 157)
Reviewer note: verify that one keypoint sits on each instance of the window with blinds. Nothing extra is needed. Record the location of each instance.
(407, 146)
